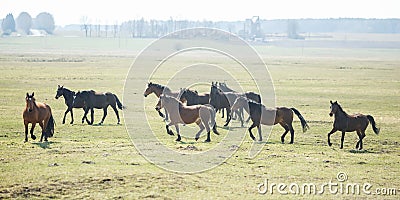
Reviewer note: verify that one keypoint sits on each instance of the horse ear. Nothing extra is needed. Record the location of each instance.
(58, 86)
(27, 95)
(336, 102)
(33, 94)
(331, 101)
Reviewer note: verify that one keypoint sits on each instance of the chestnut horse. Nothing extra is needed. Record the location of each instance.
(349, 123)
(202, 115)
(259, 114)
(36, 112)
(158, 89)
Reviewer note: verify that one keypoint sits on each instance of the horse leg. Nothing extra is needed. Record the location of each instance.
(259, 132)
(168, 130)
(31, 132)
(116, 112)
(359, 138)
(65, 114)
(223, 112)
(228, 116)
(72, 116)
(251, 134)
(240, 117)
(342, 139)
(166, 115)
(85, 116)
(329, 136)
(91, 116)
(26, 131)
(43, 132)
(104, 115)
(291, 134)
(208, 131)
(201, 126)
(177, 131)
(286, 127)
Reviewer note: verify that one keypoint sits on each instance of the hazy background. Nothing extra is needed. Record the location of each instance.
(109, 12)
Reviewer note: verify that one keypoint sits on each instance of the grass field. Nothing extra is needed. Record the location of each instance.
(83, 161)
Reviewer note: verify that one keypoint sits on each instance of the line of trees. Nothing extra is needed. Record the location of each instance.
(24, 23)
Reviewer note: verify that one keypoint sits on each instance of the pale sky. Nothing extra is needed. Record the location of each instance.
(111, 11)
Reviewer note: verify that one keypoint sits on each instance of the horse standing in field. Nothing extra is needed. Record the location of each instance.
(36, 112)
(69, 101)
(93, 100)
(202, 115)
(349, 123)
(158, 89)
(193, 97)
(259, 114)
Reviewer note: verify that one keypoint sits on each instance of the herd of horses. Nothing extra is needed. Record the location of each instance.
(188, 106)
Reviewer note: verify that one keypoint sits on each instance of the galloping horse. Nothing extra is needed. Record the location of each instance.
(93, 100)
(202, 115)
(158, 89)
(36, 112)
(69, 101)
(349, 123)
(259, 114)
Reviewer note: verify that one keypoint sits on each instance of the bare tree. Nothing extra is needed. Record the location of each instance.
(85, 25)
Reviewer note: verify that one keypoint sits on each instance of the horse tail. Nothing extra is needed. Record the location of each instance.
(302, 120)
(119, 104)
(371, 119)
(50, 125)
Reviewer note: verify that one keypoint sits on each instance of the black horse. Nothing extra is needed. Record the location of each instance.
(93, 100)
(69, 101)
(192, 97)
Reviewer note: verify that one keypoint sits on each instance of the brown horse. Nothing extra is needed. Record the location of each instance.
(202, 115)
(36, 112)
(158, 89)
(259, 114)
(349, 123)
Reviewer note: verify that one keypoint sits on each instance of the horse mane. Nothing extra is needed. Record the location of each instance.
(192, 92)
(340, 108)
(159, 86)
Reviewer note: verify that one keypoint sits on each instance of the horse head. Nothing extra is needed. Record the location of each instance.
(60, 91)
(334, 108)
(30, 101)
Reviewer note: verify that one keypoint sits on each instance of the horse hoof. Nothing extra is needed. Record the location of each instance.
(25, 141)
(207, 140)
(71, 122)
(178, 140)
(33, 137)
(196, 138)
(170, 133)
(330, 144)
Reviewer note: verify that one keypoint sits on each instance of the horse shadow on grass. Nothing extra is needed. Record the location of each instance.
(364, 151)
(44, 145)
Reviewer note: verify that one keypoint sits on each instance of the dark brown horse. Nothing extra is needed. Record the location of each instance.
(349, 123)
(158, 89)
(69, 101)
(220, 100)
(93, 100)
(36, 112)
(259, 114)
(202, 115)
(192, 97)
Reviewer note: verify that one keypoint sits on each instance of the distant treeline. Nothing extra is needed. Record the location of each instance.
(249, 28)
(341, 25)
